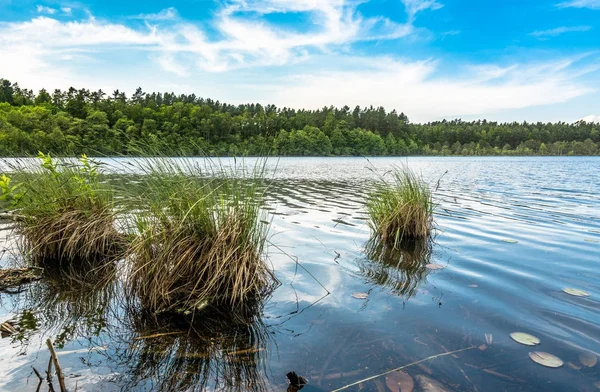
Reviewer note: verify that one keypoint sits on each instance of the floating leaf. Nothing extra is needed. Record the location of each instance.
(399, 382)
(545, 359)
(489, 338)
(360, 295)
(573, 366)
(510, 241)
(525, 338)
(433, 266)
(483, 347)
(588, 359)
(473, 286)
(576, 292)
(597, 384)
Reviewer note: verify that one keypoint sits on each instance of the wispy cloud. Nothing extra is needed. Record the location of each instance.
(592, 4)
(45, 10)
(559, 30)
(166, 14)
(67, 11)
(413, 7)
(591, 119)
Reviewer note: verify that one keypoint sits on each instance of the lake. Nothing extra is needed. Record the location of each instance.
(511, 234)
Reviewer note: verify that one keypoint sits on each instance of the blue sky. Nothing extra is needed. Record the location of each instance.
(534, 60)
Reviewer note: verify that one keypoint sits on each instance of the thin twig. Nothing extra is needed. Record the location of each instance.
(39, 376)
(402, 367)
(59, 373)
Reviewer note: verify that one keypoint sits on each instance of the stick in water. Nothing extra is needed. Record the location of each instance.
(402, 367)
(59, 373)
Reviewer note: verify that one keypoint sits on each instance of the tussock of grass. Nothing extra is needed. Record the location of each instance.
(199, 239)
(400, 209)
(66, 214)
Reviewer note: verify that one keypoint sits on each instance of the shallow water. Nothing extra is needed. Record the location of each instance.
(315, 327)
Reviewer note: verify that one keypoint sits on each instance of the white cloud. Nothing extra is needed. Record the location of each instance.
(166, 14)
(415, 6)
(45, 10)
(559, 30)
(413, 88)
(591, 119)
(592, 4)
(67, 11)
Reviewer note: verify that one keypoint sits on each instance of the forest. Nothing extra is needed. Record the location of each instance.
(98, 124)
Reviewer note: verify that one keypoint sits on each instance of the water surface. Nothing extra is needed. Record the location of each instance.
(321, 252)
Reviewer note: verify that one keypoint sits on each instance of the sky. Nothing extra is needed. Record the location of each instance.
(509, 60)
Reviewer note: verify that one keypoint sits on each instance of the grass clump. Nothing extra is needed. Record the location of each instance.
(200, 238)
(65, 213)
(400, 209)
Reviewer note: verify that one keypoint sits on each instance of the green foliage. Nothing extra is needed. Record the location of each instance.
(9, 195)
(400, 209)
(100, 124)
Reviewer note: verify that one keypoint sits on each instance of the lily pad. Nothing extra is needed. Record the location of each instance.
(525, 338)
(588, 359)
(510, 241)
(576, 292)
(545, 359)
(433, 266)
(399, 382)
(360, 295)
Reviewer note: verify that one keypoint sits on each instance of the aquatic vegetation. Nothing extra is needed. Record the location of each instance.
(200, 237)
(66, 214)
(400, 209)
(12, 277)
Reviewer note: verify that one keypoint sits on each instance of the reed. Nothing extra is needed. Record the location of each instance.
(66, 214)
(400, 209)
(200, 238)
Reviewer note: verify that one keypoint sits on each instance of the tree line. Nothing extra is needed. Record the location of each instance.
(79, 121)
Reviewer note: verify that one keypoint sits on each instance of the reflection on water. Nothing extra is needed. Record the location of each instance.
(210, 354)
(67, 305)
(400, 269)
(488, 289)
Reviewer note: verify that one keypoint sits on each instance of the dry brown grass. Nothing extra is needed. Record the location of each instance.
(199, 244)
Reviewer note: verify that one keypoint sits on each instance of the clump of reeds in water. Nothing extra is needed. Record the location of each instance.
(65, 213)
(401, 208)
(200, 238)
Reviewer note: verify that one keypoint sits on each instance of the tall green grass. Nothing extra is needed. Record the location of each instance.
(66, 213)
(400, 208)
(200, 237)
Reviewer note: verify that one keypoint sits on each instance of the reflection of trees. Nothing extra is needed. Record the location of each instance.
(211, 354)
(68, 305)
(400, 269)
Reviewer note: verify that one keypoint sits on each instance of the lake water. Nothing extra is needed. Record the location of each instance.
(511, 234)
